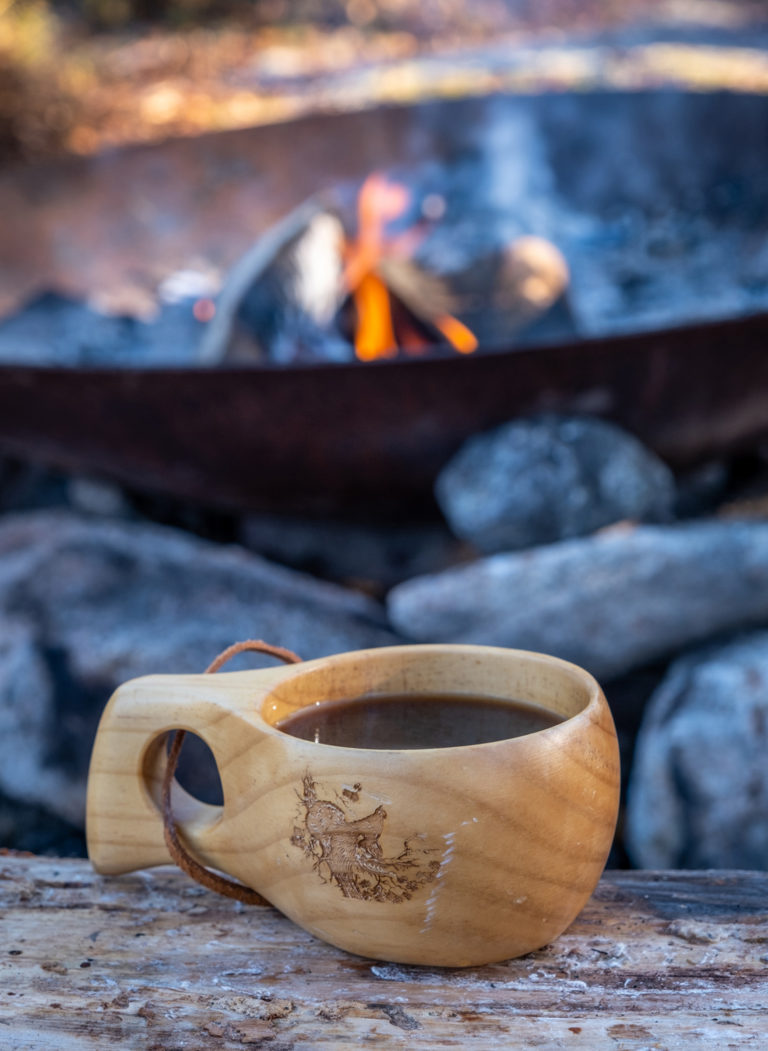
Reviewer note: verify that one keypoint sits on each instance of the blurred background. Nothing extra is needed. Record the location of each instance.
(81, 76)
(348, 324)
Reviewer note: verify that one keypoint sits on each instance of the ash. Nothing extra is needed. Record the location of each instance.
(658, 202)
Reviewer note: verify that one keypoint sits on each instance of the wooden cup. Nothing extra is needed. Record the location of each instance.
(440, 856)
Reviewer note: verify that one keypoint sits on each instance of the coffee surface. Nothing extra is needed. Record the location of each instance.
(416, 721)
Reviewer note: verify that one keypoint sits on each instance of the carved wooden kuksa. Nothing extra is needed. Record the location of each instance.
(441, 856)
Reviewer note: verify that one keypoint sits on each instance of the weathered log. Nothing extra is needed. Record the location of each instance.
(662, 960)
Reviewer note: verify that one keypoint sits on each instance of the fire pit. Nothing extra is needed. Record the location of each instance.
(657, 200)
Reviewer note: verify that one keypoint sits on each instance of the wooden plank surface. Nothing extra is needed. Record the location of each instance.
(152, 961)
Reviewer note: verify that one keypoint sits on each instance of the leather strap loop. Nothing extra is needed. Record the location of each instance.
(176, 848)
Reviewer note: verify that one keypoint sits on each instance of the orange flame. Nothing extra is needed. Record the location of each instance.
(457, 334)
(375, 335)
(379, 203)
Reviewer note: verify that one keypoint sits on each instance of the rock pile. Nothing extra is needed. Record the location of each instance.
(535, 497)
(565, 544)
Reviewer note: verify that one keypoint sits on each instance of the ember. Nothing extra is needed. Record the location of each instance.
(204, 310)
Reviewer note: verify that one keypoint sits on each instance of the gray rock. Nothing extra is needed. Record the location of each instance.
(535, 481)
(86, 604)
(374, 553)
(609, 602)
(59, 331)
(27, 721)
(698, 791)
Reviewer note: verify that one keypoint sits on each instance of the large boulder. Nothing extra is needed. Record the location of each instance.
(698, 790)
(609, 602)
(87, 603)
(535, 481)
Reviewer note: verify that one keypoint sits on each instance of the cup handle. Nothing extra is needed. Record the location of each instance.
(124, 822)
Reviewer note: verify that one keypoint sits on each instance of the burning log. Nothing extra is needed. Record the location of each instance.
(309, 291)
(280, 300)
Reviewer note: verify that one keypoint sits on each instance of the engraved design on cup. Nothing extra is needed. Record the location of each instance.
(346, 851)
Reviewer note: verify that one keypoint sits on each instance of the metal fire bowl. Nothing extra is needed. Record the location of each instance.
(332, 437)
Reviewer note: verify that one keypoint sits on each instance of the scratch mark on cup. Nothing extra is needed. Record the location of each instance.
(448, 854)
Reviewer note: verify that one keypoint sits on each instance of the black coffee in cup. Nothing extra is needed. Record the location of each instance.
(395, 721)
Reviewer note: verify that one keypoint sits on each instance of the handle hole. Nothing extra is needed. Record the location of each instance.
(198, 793)
(197, 772)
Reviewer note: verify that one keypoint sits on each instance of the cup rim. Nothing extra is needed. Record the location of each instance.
(593, 690)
